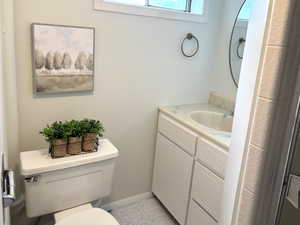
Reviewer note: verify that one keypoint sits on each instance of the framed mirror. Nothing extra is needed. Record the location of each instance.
(238, 40)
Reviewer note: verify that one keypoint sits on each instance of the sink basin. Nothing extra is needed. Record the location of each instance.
(214, 120)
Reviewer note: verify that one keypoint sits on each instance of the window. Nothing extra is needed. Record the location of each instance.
(246, 10)
(169, 4)
(188, 10)
(128, 2)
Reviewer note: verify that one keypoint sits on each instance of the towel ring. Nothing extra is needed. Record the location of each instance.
(189, 37)
(241, 41)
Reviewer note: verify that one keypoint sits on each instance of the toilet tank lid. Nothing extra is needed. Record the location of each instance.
(39, 161)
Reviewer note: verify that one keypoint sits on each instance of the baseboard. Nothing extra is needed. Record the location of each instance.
(127, 201)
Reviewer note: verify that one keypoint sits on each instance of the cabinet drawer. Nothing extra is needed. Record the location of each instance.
(212, 156)
(172, 177)
(180, 135)
(207, 190)
(199, 216)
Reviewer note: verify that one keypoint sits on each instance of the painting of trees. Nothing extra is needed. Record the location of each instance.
(39, 59)
(63, 58)
(49, 61)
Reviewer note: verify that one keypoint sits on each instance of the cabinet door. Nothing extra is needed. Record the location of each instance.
(197, 216)
(172, 177)
(207, 190)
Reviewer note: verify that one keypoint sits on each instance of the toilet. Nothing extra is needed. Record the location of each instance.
(67, 186)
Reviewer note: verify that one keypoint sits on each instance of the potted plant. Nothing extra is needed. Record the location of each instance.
(74, 134)
(56, 135)
(92, 129)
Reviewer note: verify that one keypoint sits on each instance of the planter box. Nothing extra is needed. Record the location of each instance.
(74, 145)
(90, 142)
(58, 148)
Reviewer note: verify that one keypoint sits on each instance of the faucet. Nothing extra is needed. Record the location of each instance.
(230, 114)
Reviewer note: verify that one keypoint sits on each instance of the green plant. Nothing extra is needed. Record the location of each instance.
(92, 126)
(73, 128)
(54, 131)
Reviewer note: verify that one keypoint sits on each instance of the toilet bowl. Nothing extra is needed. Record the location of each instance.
(85, 215)
(94, 216)
(67, 186)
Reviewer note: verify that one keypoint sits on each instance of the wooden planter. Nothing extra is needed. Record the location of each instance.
(58, 148)
(74, 145)
(90, 142)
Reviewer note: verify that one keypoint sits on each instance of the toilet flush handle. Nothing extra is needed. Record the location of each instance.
(32, 179)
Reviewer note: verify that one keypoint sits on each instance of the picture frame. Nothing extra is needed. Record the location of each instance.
(62, 58)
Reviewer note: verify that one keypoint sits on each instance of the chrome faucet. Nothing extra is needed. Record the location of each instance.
(230, 114)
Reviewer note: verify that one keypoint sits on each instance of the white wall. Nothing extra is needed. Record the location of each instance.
(8, 113)
(11, 106)
(138, 67)
(2, 126)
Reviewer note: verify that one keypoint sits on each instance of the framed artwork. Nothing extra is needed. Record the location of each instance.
(63, 58)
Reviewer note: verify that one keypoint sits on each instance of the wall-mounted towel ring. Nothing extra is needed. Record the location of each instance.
(190, 36)
(241, 41)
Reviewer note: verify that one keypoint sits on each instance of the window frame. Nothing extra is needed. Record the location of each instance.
(153, 11)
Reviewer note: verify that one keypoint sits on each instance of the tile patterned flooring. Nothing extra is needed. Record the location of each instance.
(146, 212)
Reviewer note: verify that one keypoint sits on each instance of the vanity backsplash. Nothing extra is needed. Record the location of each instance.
(221, 102)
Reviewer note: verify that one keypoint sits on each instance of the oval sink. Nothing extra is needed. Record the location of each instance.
(214, 120)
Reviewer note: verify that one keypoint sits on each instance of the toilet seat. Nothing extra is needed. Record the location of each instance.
(94, 216)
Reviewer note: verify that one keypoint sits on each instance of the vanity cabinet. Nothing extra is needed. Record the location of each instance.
(189, 173)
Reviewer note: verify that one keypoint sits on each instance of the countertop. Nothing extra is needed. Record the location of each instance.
(181, 113)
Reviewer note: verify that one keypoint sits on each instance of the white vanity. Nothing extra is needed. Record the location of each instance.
(191, 153)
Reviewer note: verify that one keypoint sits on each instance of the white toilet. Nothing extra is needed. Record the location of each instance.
(67, 186)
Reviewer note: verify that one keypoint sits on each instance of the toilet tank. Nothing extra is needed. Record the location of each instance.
(53, 185)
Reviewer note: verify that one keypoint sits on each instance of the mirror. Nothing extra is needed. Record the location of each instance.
(238, 40)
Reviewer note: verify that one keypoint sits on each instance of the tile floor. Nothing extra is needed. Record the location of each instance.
(147, 212)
